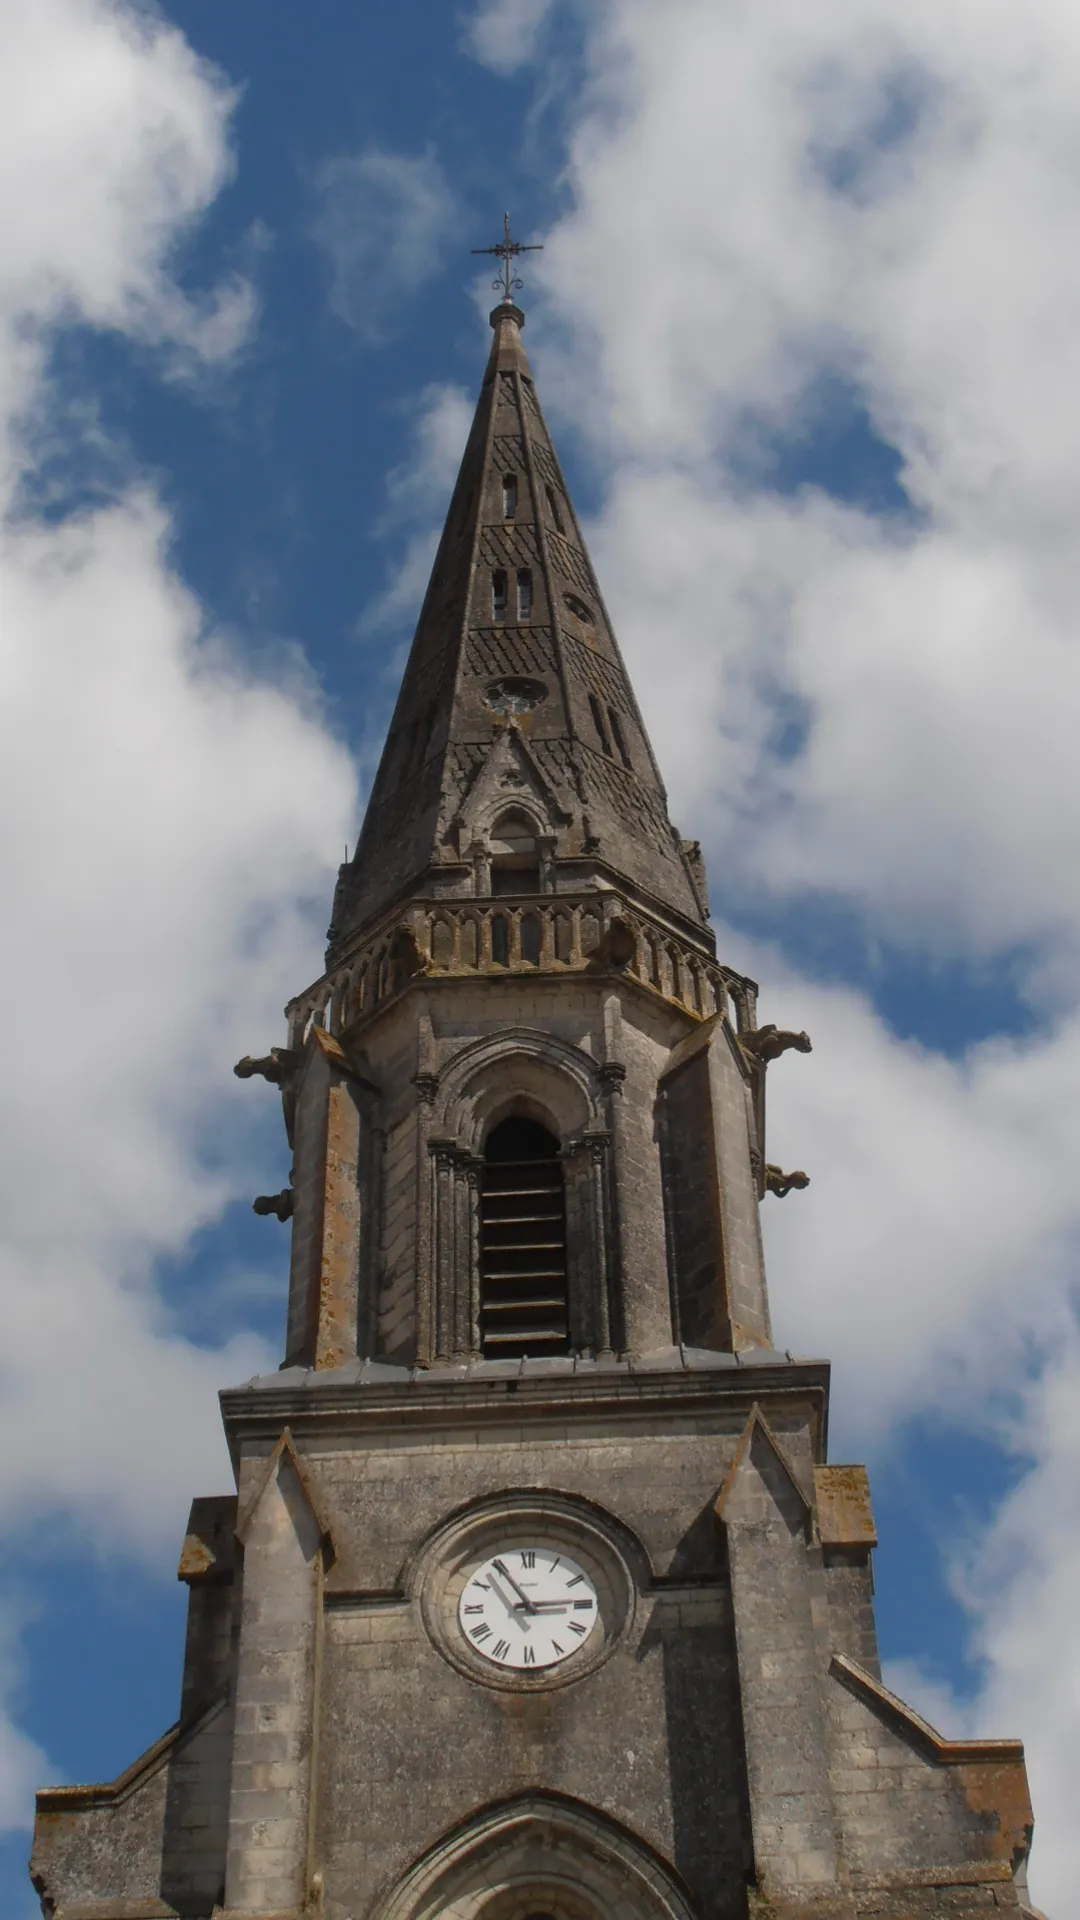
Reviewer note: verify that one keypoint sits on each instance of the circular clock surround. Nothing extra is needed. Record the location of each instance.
(505, 1530)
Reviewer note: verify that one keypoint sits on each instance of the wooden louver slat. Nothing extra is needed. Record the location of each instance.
(523, 1291)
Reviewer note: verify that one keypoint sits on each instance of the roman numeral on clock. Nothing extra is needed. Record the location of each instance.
(476, 1606)
(500, 1650)
(482, 1632)
(528, 1557)
(529, 1656)
(576, 1580)
(576, 1627)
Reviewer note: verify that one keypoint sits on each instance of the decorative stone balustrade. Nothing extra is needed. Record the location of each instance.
(555, 934)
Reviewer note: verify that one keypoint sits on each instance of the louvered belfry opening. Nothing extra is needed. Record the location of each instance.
(523, 1293)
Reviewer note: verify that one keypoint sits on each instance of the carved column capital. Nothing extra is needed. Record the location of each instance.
(427, 1086)
(612, 1076)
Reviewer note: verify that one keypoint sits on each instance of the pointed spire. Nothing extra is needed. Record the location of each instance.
(513, 635)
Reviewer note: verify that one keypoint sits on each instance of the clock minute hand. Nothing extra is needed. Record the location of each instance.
(523, 1598)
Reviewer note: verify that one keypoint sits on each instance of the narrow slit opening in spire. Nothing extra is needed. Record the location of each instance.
(600, 724)
(524, 593)
(617, 736)
(498, 594)
(553, 509)
(510, 495)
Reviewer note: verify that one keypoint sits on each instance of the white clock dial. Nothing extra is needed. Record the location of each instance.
(528, 1608)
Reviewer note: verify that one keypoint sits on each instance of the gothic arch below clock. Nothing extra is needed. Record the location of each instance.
(539, 1857)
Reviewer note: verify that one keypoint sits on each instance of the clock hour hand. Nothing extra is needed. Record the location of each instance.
(523, 1598)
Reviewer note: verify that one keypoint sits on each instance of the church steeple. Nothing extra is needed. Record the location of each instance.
(514, 640)
(537, 1594)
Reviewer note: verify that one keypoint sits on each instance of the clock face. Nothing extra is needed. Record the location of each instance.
(527, 1608)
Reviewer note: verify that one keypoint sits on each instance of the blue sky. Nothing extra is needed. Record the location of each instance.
(804, 329)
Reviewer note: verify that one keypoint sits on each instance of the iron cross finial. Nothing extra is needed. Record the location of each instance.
(508, 249)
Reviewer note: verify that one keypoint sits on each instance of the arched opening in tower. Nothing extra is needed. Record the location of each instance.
(523, 1289)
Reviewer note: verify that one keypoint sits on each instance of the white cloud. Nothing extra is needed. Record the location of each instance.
(504, 34)
(113, 139)
(934, 1252)
(382, 222)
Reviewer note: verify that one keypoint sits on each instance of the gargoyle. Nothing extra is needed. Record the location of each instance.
(768, 1043)
(280, 1204)
(781, 1183)
(406, 957)
(616, 949)
(277, 1066)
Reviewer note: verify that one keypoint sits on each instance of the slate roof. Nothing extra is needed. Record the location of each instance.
(511, 516)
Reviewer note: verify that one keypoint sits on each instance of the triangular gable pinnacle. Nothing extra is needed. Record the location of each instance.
(284, 1449)
(757, 1424)
(508, 778)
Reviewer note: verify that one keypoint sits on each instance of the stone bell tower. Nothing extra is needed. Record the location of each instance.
(538, 1598)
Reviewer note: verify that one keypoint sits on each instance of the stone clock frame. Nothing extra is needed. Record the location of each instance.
(447, 1561)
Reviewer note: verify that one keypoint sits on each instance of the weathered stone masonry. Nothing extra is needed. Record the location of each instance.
(528, 1320)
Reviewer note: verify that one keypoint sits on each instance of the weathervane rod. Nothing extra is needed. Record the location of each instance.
(507, 250)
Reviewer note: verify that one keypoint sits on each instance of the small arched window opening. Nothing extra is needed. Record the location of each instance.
(524, 593)
(553, 509)
(510, 495)
(515, 856)
(600, 724)
(498, 594)
(618, 737)
(531, 939)
(523, 1287)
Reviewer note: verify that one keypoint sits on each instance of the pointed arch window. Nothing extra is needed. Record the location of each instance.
(524, 1305)
(510, 495)
(524, 593)
(498, 594)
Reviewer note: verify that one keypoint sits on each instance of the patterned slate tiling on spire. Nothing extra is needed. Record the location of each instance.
(512, 546)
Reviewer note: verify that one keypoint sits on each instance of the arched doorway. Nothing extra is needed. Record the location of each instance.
(536, 1857)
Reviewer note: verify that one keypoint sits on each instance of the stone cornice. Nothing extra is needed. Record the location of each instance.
(368, 1399)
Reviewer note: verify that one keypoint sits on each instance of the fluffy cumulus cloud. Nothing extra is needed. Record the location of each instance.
(168, 812)
(382, 221)
(862, 703)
